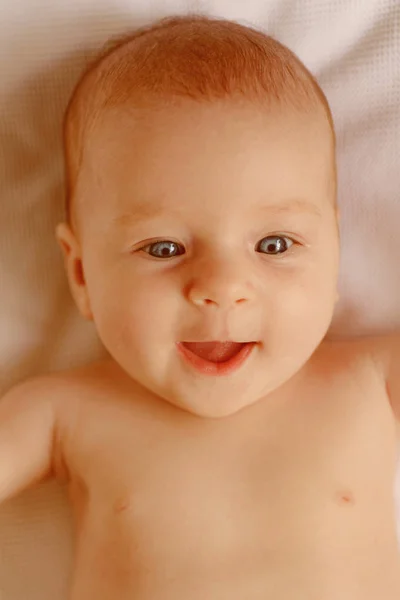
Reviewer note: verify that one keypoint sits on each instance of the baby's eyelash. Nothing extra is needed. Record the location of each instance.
(160, 243)
(283, 248)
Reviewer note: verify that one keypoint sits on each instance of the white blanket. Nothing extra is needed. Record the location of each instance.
(352, 46)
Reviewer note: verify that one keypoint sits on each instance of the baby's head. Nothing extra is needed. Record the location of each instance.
(201, 180)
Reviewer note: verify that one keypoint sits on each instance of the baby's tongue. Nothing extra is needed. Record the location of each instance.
(214, 351)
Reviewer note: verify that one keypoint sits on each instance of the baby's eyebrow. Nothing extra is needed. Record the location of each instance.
(296, 205)
(142, 212)
(146, 211)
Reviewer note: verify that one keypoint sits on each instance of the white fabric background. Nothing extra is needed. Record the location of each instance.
(353, 46)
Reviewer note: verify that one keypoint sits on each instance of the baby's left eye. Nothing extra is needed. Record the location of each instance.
(163, 249)
(274, 244)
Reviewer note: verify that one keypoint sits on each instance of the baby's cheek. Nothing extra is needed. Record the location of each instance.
(142, 313)
(303, 311)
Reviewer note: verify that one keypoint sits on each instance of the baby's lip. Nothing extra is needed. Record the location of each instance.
(215, 358)
(210, 340)
(215, 342)
(215, 350)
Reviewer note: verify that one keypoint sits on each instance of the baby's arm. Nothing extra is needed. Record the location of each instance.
(387, 349)
(27, 432)
(393, 379)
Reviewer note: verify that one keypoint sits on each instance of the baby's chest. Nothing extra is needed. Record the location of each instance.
(266, 483)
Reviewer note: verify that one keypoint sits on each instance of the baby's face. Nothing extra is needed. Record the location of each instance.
(210, 222)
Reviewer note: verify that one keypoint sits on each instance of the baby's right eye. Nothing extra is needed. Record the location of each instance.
(163, 249)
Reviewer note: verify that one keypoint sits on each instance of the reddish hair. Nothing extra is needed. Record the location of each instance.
(194, 57)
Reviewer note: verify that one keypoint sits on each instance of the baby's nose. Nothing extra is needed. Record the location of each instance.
(223, 300)
(220, 288)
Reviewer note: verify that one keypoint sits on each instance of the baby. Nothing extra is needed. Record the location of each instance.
(226, 448)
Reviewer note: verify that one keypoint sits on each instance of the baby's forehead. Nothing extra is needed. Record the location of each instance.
(126, 163)
(132, 121)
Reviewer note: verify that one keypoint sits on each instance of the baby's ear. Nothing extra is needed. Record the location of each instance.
(73, 264)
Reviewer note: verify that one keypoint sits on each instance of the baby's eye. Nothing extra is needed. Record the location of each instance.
(163, 249)
(274, 244)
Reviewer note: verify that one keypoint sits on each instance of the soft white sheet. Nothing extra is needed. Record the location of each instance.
(353, 47)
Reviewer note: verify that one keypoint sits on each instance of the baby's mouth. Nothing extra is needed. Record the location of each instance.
(216, 352)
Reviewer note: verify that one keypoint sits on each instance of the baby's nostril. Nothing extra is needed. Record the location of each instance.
(207, 301)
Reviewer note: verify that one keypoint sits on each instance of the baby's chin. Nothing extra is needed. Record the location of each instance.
(222, 398)
(213, 408)
(208, 398)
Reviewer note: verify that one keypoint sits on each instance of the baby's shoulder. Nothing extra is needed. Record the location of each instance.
(85, 384)
(343, 361)
(370, 352)
(372, 362)
(69, 393)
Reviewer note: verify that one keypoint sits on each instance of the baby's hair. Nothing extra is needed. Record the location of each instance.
(193, 57)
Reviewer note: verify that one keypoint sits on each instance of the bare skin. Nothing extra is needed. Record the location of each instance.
(288, 498)
(274, 481)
